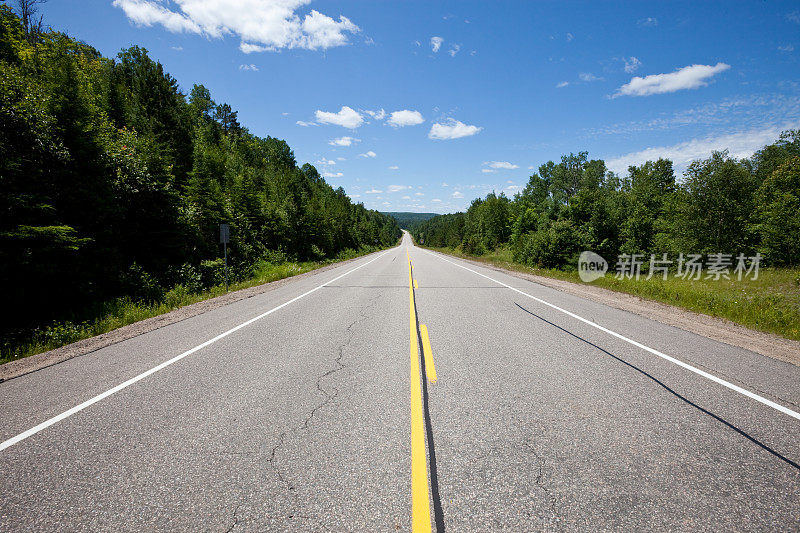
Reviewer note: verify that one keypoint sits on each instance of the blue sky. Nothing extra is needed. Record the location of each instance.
(487, 90)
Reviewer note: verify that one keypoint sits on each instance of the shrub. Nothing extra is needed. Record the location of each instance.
(553, 246)
(177, 296)
(212, 272)
(61, 333)
(189, 276)
(276, 257)
(141, 286)
(472, 245)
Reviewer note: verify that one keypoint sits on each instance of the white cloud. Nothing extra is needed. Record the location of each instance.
(266, 25)
(631, 64)
(343, 141)
(419, 194)
(444, 184)
(734, 113)
(794, 16)
(323, 32)
(177, 48)
(396, 188)
(454, 50)
(505, 165)
(368, 154)
(787, 48)
(147, 13)
(394, 167)
(347, 117)
(436, 43)
(249, 48)
(332, 175)
(570, 37)
(355, 196)
(458, 195)
(406, 117)
(305, 124)
(531, 167)
(452, 129)
(435, 201)
(324, 161)
(341, 159)
(406, 198)
(488, 170)
(285, 114)
(562, 85)
(588, 76)
(249, 67)
(649, 21)
(373, 191)
(740, 145)
(377, 115)
(690, 77)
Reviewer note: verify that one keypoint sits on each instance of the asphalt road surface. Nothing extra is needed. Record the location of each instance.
(299, 410)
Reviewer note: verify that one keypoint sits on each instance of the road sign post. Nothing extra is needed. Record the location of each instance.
(224, 238)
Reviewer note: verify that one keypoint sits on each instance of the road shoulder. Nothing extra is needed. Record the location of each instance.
(718, 329)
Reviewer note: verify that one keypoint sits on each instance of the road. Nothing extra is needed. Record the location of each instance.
(298, 409)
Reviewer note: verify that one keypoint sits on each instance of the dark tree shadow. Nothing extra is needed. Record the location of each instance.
(673, 392)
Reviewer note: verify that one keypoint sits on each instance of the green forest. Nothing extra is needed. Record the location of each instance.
(407, 219)
(722, 205)
(114, 182)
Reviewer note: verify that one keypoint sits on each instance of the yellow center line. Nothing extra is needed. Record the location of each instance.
(420, 499)
(430, 368)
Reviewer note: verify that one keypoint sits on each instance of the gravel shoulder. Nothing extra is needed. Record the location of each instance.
(42, 360)
(718, 329)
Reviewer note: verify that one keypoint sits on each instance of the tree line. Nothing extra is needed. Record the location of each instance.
(406, 219)
(113, 183)
(722, 205)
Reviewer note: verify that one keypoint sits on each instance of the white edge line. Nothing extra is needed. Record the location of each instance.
(66, 414)
(715, 379)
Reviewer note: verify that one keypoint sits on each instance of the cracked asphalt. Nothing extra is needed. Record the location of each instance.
(300, 421)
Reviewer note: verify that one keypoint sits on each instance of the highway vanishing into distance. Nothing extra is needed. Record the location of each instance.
(325, 405)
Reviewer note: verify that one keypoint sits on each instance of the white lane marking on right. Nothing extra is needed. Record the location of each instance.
(687, 366)
(66, 414)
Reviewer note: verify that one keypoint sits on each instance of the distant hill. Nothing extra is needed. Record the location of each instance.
(406, 220)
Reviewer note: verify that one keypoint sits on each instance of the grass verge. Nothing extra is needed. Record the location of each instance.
(123, 311)
(770, 303)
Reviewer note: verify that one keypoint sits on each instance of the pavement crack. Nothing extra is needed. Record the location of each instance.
(235, 519)
(272, 454)
(329, 396)
(540, 480)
